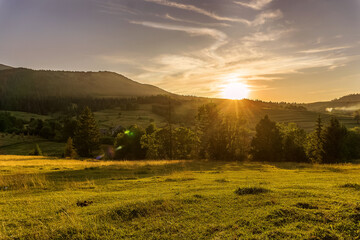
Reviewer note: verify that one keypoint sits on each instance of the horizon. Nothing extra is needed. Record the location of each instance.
(238, 99)
(273, 50)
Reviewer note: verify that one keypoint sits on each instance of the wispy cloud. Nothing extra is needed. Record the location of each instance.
(259, 19)
(220, 37)
(111, 7)
(255, 4)
(197, 10)
(266, 36)
(169, 17)
(264, 16)
(321, 50)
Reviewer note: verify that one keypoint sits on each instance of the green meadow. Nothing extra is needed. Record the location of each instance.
(49, 198)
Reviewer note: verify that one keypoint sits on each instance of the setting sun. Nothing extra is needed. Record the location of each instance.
(235, 91)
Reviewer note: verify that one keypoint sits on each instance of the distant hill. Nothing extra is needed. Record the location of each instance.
(348, 103)
(348, 98)
(4, 67)
(21, 82)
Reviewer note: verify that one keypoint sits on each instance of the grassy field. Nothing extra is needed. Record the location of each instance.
(27, 116)
(44, 198)
(117, 117)
(18, 145)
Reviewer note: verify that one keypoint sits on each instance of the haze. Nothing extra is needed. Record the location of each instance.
(282, 50)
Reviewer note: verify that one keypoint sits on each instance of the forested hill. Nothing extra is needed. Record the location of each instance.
(348, 103)
(21, 82)
(349, 98)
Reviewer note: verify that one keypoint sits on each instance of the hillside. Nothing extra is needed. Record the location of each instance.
(21, 82)
(345, 104)
(4, 67)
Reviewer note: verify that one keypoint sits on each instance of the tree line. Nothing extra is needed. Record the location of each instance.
(217, 136)
(74, 105)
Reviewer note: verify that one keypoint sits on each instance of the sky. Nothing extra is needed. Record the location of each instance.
(282, 50)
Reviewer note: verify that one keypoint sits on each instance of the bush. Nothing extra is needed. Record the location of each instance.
(251, 190)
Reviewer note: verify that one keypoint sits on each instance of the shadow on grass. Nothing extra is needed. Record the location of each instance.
(132, 172)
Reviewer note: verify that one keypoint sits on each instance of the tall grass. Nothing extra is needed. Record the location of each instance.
(23, 181)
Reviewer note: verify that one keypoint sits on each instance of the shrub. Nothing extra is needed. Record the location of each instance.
(251, 190)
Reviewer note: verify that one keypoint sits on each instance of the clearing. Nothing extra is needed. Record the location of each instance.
(48, 198)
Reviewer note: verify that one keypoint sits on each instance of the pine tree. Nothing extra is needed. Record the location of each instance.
(315, 143)
(87, 135)
(69, 149)
(208, 122)
(334, 142)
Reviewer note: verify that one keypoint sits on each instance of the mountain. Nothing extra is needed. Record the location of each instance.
(4, 67)
(348, 103)
(21, 82)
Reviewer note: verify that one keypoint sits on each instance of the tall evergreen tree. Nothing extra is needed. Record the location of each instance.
(87, 135)
(334, 142)
(315, 143)
(69, 150)
(267, 143)
(208, 122)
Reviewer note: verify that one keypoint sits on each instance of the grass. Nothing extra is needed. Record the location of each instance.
(117, 117)
(11, 144)
(48, 198)
(27, 116)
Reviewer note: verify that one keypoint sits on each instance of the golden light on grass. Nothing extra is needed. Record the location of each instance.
(235, 91)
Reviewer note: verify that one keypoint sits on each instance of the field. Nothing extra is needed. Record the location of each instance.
(23, 145)
(45, 198)
(116, 117)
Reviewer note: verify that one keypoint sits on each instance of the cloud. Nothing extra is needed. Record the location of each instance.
(113, 8)
(269, 36)
(259, 19)
(197, 10)
(263, 17)
(220, 37)
(255, 4)
(169, 17)
(321, 50)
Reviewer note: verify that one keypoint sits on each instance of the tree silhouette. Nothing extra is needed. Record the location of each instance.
(315, 143)
(334, 139)
(267, 143)
(87, 136)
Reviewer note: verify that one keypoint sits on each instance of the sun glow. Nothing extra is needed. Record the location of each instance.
(235, 90)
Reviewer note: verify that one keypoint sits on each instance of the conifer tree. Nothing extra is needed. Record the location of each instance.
(87, 135)
(334, 142)
(69, 149)
(315, 143)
